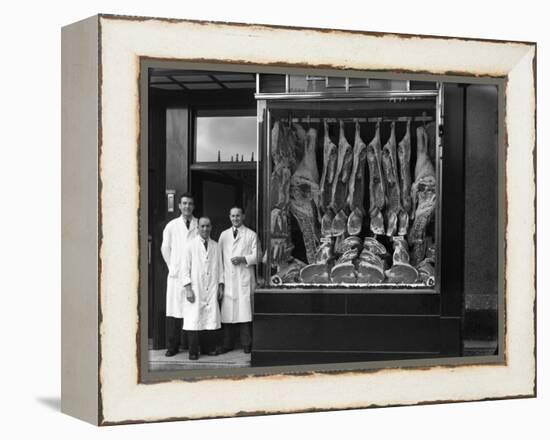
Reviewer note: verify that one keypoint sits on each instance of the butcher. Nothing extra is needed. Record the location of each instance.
(239, 247)
(201, 277)
(176, 233)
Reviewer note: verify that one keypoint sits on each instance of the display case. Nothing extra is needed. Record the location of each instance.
(350, 184)
(350, 214)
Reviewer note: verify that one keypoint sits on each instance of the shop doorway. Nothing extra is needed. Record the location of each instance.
(217, 191)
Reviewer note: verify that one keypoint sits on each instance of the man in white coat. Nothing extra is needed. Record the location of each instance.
(202, 278)
(176, 233)
(239, 246)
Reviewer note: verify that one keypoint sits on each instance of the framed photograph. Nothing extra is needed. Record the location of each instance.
(275, 220)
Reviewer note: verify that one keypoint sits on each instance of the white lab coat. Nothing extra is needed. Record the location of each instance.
(174, 238)
(240, 280)
(203, 270)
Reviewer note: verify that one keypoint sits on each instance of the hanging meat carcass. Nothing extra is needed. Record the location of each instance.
(280, 244)
(394, 210)
(377, 190)
(340, 183)
(404, 155)
(424, 197)
(401, 271)
(356, 193)
(280, 176)
(319, 271)
(330, 157)
(304, 195)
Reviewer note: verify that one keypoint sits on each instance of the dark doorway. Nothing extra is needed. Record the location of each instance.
(217, 191)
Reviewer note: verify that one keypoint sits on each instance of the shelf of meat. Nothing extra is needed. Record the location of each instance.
(350, 212)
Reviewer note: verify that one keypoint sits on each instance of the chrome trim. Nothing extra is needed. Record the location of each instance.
(439, 117)
(353, 96)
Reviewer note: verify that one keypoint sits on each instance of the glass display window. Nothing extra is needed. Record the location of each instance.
(351, 194)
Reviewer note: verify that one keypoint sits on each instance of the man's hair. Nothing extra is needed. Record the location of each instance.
(205, 218)
(187, 196)
(237, 207)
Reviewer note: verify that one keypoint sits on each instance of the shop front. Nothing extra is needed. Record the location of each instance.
(375, 201)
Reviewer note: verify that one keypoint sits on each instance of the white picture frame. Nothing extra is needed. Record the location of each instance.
(101, 276)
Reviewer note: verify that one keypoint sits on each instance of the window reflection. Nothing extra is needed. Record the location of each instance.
(225, 139)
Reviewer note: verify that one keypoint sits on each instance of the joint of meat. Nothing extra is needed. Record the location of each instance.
(400, 250)
(425, 194)
(377, 190)
(355, 221)
(281, 251)
(370, 268)
(339, 224)
(289, 273)
(348, 256)
(344, 269)
(325, 254)
(326, 223)
(339, 244)
(426, 272)
(401, 271)
(351, 242)
(319, 271)
(371, 244)
(344, 273)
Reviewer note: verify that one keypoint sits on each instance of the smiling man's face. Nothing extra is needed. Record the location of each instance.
(205, 227)
(237, 217)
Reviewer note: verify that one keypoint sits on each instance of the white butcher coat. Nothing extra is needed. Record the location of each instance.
(174, 237)
(240, 280)
(203, 269)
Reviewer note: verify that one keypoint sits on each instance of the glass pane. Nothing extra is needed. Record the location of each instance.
(225, 138)
(272, 83)
(353, 193)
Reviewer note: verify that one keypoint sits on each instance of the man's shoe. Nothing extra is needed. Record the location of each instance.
(193, 357)
(171, 352)
(247, 349)
(215, 352)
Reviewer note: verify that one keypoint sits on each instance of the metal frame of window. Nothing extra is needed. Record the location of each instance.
(265, 102)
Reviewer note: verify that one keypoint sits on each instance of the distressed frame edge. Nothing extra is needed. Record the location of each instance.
(80, 119)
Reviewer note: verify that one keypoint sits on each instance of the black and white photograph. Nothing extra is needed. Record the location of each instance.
(264, 219)
(306, 218)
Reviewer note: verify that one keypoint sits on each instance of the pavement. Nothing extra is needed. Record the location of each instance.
(231, 359)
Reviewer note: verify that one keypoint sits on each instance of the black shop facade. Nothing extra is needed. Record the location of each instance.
(374, 198)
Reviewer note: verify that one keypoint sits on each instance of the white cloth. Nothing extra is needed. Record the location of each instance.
(240, 280)
(174, 237)
(203, 270)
